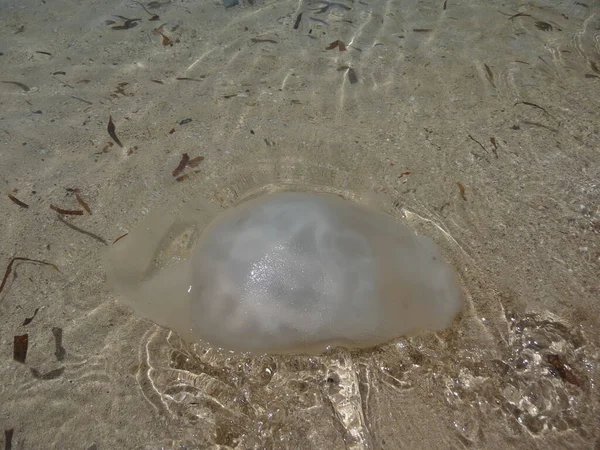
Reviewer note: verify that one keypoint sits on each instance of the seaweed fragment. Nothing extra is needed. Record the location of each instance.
(67, 212)
(461, 188)
(259, 40)
(185, 121)
(83, 203)
(28, 320)
(445, 4)
(195, 161)
(558, 367)
(533, 105)
(297, 22)
(59, 351)
(18, 83)
(519, 15)
(540, 125)
(337, 44)
(119, 238)
(154, 4)
(82, 100)
(81, 230)
(165, 39)
(480, 144)
(489, 74)
(20, 346)
(18, 202)
(422, 30)
(8, 435)
(112, 132)
(495, 146)
(129, 23)
(184, 160)
(189, 79)
(21, 258)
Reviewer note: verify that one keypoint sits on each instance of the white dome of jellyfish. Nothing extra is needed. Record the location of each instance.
(284, 272)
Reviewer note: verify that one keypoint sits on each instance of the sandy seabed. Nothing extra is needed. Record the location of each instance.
(478, 121)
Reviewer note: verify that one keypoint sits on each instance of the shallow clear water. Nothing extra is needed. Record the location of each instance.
(476, 127)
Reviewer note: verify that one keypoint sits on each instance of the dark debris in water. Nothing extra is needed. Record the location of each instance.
(83, 203)
(352, 77)
(62, 219)
(186, 161)
(127, 24)
(67, 212)
(20, 347)
(182, 164)
(544, 26)
(8, 436)
(560, 368)
(18, 202)
(461, 188)
(297, 22)
(59, 351)
(337, 44)
(489, 74)
(259, 40)
(18, 83)
(153, 17)
(28, 320)
(112, 131)
(51, 375)
(9, 268)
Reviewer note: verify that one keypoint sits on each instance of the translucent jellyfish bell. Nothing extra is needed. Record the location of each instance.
(285, 272)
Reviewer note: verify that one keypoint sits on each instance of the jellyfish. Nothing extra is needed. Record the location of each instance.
(285, 272)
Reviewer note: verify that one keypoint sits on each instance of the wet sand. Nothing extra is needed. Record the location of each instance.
(476, 121)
